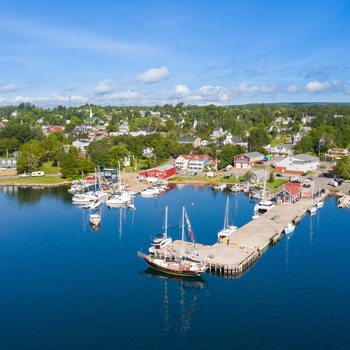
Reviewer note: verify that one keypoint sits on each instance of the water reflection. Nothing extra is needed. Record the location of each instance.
(26, 195)
(187, 289)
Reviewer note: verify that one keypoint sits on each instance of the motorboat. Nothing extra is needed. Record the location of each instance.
(117, 200)
(289, 228)
(263, 206)
(95, 219)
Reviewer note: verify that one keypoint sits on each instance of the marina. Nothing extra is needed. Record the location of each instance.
(69, 285)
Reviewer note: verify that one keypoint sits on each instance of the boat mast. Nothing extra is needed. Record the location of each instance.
(183, 231)
(165, 229)
(226, 214)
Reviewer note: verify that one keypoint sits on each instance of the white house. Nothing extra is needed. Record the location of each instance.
(81, 144)
(198, 162)
(217, 133)
(148, 152)
(282, 150)
(181, 162)
(298, 164)
(124, 128)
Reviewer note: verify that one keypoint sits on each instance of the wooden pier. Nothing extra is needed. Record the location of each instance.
(243, 248)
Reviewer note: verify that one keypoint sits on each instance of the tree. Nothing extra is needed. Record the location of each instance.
(342, 168)
(30, 156)
(117, 155)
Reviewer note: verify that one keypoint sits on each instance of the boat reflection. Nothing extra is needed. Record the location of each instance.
(189, 290)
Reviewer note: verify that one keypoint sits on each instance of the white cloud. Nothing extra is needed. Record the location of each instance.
(316, 86)
(181, 90)
(104, 87)
(154, 75)
(293, 89)
(8, 88)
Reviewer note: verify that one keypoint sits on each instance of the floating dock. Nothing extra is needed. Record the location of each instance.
(243, 248)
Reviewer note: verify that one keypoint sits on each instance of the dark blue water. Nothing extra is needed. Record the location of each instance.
(66, 286)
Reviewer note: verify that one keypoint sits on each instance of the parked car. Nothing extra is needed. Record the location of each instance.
(279, 175)
(37, 173)
(24, 175)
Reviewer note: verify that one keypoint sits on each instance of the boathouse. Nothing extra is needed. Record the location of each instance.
(247, 160)
(157, 174)
(291, 193)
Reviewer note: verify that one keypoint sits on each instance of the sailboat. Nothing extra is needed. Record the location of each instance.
(227, 229)
(178, 266)
(264, 205)
(312, 209)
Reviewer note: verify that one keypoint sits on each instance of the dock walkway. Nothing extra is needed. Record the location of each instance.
(243, 248)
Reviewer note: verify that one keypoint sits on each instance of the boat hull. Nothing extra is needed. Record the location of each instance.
(171, 270)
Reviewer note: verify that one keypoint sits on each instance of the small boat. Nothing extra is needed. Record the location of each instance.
(131, 205)
(235, 188)
(289, 228)
(312, 209)
(95, 219)
(319, 204)
(263, 206)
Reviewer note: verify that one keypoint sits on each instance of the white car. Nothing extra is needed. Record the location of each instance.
(24, 175)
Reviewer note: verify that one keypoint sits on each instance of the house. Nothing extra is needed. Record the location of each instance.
(298, 164)
(217, 133)
(291, 193)
(247, 160)
(259, 175)
(337, 153)
(148, 152)
(124, 128)
(235, 140)
(307, 119)
(283, 121)
(157, 174)
(195, 141)
(81, 144)
(181, 162)
(8, 163)
(282, 150)
(198, 162)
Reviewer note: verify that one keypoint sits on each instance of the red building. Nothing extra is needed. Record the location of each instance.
(157, 174)
(247, 160)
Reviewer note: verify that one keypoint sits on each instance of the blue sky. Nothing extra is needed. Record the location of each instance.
(149, 52)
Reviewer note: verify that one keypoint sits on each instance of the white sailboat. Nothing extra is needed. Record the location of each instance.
(178, 266)
(264, 205)
(312, 209)
(227, 229)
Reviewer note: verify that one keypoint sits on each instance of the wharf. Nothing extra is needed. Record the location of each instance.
(243, 248)
(344, 201)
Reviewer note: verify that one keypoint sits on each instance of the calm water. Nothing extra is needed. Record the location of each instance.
(66, 286)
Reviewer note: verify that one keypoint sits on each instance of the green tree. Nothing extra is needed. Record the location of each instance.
(117, 155)
(29, 157)
(342, 168)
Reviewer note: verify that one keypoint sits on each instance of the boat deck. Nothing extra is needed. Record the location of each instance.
(241, 249)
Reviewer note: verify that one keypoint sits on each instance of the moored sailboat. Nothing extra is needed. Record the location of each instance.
(173, 265)
(227, 229)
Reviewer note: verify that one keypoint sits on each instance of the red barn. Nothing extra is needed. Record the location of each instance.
(157, 174)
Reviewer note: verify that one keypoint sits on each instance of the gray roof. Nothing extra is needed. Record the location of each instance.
(305, 157)
(253, 155)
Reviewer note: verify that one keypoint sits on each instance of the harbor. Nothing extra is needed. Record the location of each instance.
(243, 248)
